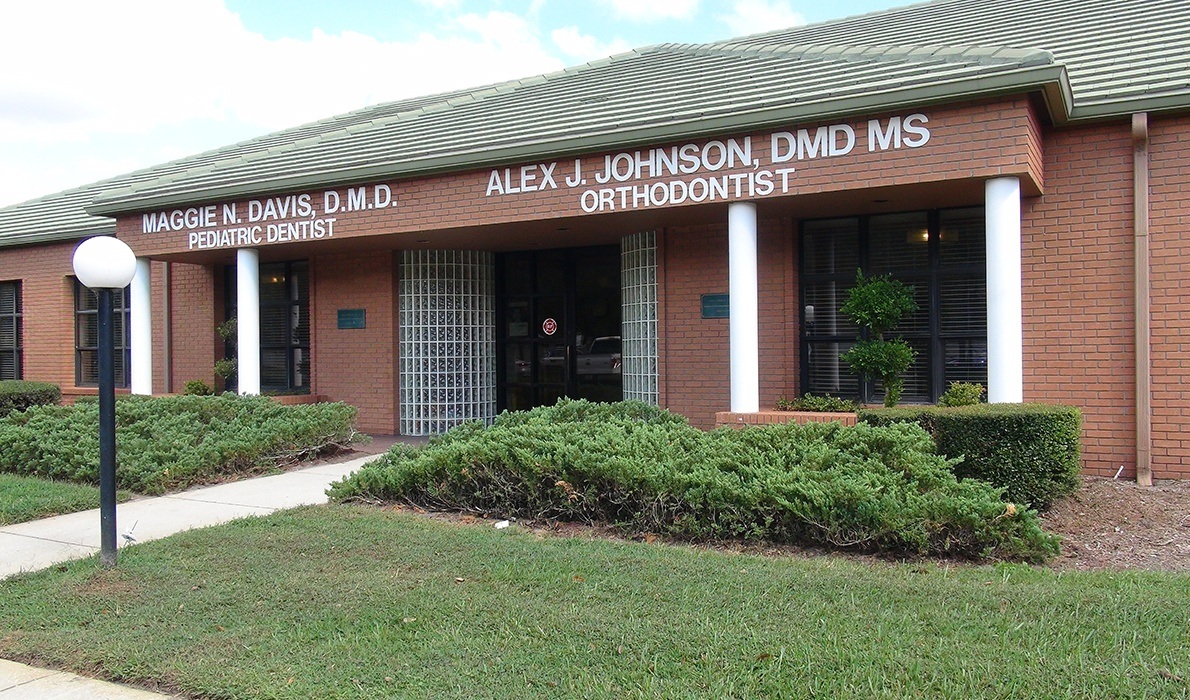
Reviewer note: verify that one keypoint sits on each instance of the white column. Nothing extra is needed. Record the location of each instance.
(744, 308)
(140, 330)
(248, 320)
(1006, 347)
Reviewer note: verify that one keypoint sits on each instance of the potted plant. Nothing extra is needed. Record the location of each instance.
(877, 305)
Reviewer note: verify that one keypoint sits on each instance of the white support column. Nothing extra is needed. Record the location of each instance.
(140, 330)
(1006, 347)
(744, 308)
(248, 320)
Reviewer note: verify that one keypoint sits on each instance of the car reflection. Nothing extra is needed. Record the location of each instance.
(602, 357)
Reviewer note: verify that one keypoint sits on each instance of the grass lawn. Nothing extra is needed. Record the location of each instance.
(349, 602)
(24, 498)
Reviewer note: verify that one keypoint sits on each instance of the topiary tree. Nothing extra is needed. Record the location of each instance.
(225, 368)
(877, 305)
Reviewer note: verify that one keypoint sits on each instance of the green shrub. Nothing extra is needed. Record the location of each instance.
(962, 394)
(225, 367)
(810, 402)
(646, 470)
(876, 305)
(198, 387)
(1032, 451)
(168, 443)
(885, 360)
(17, 395)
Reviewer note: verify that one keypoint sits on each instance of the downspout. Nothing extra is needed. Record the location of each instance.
(1144, 403)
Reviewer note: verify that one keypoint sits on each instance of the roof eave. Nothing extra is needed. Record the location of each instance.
(1050, 80)
(44, 237)
(1124, 107)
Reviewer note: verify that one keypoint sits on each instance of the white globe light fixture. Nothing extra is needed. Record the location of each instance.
(105, 264)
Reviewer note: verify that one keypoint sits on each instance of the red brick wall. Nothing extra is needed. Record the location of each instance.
(779, 312)
(966, 141)
(356, 365)
(47, 299)
(694, 368)
(195, 310)
(1077, 257)
(1077, 263)
(47, 292)
(1169, 241)
(695, 364)
(1036, 144)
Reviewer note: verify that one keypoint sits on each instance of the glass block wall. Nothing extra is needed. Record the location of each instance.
(447, 339)
(638, 271)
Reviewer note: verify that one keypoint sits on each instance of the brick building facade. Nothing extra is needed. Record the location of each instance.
(449, 279)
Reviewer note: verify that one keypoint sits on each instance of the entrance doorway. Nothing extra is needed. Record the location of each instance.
(558, 315)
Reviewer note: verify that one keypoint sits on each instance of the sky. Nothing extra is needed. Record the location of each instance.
(90, 89)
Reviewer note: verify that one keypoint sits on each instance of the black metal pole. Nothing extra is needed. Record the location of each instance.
(107, 433)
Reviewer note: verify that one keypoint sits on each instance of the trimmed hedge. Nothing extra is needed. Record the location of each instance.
(810, 402)
(646, 470)
(17, 395)
(1032, 451)
(169, 443)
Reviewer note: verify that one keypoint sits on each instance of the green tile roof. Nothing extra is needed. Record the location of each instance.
(1089, 59)
(1122, 56)
(613, 103)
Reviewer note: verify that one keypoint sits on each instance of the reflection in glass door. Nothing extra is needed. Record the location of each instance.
(559, 326)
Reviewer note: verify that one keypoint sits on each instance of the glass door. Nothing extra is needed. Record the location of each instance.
(558, 315)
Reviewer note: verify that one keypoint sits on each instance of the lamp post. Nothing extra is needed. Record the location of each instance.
(105, 264)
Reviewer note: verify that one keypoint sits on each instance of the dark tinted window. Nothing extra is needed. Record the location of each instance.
(941, 254)
(10, 330)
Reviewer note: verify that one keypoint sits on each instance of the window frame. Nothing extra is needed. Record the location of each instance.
(16, 350)
(123, 341)
(291, 348)
(934, 274)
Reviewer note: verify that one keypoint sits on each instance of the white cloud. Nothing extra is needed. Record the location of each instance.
(93, 66)
(755, 16)
(652, 10)
(583, 47)
(126, 71)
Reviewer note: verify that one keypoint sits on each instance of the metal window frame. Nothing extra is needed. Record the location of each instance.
(16, 315)
(123, 344)
(286, 267)
(933, 275)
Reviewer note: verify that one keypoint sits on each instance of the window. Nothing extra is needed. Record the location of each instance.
(284, 325)
(941, 254)
(10, 330)
(86, 336)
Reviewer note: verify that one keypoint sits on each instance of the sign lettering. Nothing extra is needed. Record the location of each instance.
(689, 170)
(282, 219)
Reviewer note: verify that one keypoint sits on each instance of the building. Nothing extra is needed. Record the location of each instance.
(678, 224)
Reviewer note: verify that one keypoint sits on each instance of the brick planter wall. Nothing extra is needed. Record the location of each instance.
(740, 420)
(298, 399)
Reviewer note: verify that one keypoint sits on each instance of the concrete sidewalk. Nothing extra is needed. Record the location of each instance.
(29, 683)
(42, 543)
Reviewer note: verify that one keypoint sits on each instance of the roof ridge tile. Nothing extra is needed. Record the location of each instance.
(967, 53)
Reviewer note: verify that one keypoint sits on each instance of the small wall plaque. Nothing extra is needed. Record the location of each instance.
(352, 318)
(715, 306)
